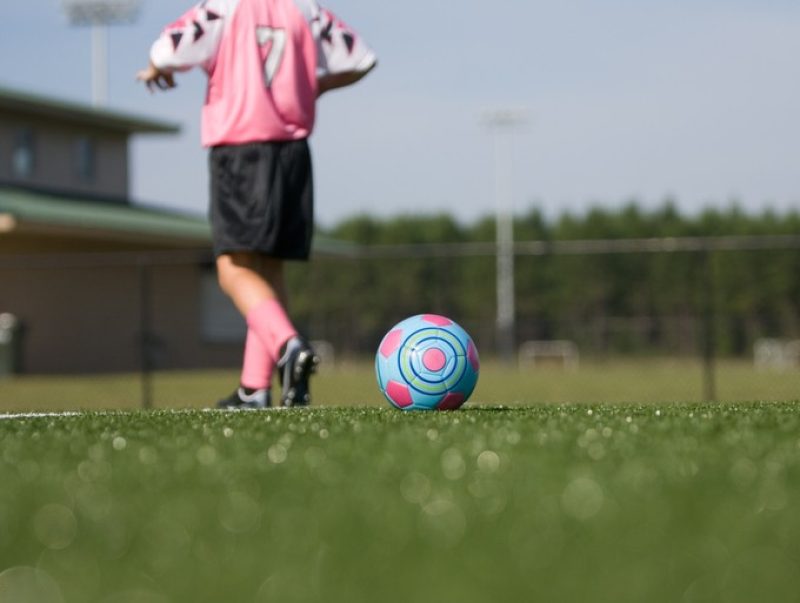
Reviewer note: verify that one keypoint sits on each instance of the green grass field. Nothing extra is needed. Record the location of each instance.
(532, 501)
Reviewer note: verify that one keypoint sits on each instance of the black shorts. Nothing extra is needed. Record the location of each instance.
(262, 198)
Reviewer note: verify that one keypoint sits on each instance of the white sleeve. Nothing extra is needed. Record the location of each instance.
(339, 48)
(192, 40)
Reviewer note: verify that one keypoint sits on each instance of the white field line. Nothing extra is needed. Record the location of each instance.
(59, 415)
(72, 413)
(36, 415)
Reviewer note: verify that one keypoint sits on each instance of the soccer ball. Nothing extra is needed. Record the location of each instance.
(427, 362)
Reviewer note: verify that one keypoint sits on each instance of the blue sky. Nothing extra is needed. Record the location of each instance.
(695, 100)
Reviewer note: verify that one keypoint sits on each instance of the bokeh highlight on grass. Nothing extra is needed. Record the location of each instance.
(618, 503)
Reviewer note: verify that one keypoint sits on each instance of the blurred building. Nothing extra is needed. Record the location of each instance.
(97, 282)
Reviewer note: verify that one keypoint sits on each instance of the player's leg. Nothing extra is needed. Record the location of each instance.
(254, 389)
(296, 360)
(271, 270)
(262, 201)
(256, 285)
(240, 278)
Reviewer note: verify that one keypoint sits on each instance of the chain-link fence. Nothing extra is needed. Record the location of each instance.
(644, 319)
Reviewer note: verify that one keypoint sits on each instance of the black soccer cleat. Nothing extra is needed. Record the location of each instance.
(242, 400)
(295, 368)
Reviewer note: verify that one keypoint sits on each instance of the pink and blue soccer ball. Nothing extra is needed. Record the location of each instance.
(427, 362)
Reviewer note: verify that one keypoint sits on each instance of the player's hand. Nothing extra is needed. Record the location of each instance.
(154, 78)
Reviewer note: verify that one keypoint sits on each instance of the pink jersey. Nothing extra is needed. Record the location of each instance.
(263, 59)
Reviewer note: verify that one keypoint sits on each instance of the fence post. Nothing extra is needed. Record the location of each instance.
(709, 326)
(145, 333)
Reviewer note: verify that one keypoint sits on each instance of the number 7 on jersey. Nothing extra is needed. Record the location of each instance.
(276, 38)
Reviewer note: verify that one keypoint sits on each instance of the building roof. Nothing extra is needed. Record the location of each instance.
(25, 211)
(41, 106)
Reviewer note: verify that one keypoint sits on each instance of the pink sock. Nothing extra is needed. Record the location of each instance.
(272, 325)
(258, 363)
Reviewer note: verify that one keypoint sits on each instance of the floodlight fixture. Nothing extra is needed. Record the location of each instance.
(99, 14)
(505, 117)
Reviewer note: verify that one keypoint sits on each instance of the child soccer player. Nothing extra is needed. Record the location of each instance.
(267, 61)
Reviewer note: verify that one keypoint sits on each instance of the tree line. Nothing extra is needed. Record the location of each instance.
(658, 303)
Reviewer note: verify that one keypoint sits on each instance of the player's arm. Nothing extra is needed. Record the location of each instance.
(191, 41)
(332, 81)
(343, 55)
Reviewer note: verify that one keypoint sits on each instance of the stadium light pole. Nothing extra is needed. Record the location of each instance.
(502, 122)
(99, 14)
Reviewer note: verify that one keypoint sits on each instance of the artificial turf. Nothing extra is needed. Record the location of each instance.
(625, 502)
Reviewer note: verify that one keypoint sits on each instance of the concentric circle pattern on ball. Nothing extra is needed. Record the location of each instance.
(427, 362)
